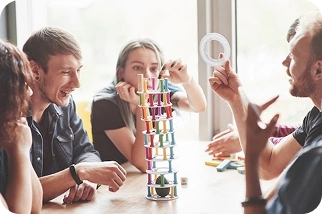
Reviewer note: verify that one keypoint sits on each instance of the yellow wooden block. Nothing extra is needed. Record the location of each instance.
(214, 163)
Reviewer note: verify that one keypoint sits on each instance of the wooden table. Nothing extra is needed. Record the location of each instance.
(207, 191)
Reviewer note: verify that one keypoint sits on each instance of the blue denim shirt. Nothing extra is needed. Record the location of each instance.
(68, 138)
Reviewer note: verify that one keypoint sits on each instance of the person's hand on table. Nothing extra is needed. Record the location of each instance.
(83, 192)
(108, 173)
(225, 143)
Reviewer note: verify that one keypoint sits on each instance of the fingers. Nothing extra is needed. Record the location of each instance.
(82, 192)
(79, 192)
(254, 111)
(214, 148)
(127, 92)
(173, 65)
(229, 69)
(123, 89)
(272, 123)
(268, 103)
(175, 71)
(222, 75)
(85, 192)
(123, 174)
(222, 134)
(115, 175)
(71, 195)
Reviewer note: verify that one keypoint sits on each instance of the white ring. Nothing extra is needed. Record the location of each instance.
(203, 51)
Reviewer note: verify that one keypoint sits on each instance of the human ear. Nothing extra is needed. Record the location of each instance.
(119, 74)
(35, 69)
(319, 67)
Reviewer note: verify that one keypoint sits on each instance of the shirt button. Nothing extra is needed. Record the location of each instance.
(38, 158)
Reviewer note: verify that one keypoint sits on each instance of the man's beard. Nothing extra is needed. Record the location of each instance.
(306, 86)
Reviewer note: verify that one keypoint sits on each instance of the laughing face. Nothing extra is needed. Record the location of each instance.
(60, 80)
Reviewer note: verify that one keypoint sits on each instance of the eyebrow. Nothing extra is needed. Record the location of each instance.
(70, 67)
(154, 63)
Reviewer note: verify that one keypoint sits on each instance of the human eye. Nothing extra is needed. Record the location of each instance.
(136, 67)
(65, 72)
(154, 69)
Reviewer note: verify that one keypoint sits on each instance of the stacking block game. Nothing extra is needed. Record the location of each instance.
(159, 138)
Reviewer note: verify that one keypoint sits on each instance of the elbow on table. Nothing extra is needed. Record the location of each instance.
(141, 166)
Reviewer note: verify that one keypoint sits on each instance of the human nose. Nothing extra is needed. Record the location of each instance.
(75, 82)
(286, 61)
(146, 73)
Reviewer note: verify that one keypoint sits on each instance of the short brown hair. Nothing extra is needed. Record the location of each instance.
(50, 41)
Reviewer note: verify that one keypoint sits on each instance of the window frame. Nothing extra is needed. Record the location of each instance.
(212, 17)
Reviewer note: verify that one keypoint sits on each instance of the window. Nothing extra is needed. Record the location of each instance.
(261, 43)
(103, 27)
(255, 29)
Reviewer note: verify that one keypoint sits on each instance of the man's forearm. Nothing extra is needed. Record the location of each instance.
(56, 184)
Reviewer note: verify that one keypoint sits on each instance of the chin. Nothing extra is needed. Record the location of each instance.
(63, 102)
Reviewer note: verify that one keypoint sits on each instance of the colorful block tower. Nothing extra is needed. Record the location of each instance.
(159, 141)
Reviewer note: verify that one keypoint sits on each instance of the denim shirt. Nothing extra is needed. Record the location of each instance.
(69, 141)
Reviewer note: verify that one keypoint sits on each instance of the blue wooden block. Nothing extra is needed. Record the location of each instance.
(223, 165)
(241, 170)
(235, 165)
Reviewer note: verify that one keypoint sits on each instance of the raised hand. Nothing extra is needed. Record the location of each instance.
(176, 72)
(225, 82)
(257, 132)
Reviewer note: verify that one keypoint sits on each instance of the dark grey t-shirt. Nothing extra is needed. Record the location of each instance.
(106, 115)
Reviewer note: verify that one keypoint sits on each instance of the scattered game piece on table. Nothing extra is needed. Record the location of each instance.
(223, 165)
(241, 170)
(184, 180)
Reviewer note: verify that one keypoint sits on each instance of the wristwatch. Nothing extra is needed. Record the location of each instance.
(73, 172)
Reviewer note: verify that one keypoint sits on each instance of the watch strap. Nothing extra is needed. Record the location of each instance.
(73, 172)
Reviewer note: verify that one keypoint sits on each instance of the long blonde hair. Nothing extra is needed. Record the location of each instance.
(110, 93)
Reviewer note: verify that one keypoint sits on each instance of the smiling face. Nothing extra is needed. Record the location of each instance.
(60, 80)
(140, 61)
(300, 66)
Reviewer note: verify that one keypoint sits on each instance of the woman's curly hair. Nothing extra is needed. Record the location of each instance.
(15, 76)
